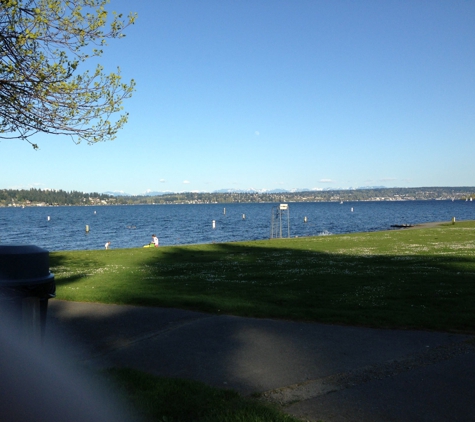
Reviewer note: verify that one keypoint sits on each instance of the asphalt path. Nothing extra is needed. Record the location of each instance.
(314, 371)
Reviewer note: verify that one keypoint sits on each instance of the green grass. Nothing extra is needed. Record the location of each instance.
(173, 400)
(423, 278)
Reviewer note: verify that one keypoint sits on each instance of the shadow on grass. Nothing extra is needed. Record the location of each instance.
(285, 279)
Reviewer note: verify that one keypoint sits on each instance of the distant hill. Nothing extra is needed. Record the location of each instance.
(249, 191)
(265, 190)
(38, 197)
(157, 193)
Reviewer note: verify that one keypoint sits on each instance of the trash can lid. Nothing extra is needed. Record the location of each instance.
(23, 263)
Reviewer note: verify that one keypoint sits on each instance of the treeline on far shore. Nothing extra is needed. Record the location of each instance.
(28, 197)
(49, 197)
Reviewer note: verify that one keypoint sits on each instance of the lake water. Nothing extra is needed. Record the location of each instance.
(64, 228)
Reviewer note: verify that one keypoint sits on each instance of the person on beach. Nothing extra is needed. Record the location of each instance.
(107, 245)
(155, 240)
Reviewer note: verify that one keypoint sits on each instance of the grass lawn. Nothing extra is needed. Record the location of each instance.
(418, 278)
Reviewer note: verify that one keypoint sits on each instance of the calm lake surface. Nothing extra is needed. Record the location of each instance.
(64, 228)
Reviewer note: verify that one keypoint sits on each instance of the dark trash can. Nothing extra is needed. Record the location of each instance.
(26, 284)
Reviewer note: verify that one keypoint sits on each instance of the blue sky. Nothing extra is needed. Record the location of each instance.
(269, 94)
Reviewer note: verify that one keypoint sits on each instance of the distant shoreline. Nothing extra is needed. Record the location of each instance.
(38, 197)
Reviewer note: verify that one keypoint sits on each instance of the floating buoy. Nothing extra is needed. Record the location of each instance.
(244, 216)
(351, 209)
(214, 224)
(87, 228)
(94, 212)
(305, 219)
(48, 218)
(224, 211)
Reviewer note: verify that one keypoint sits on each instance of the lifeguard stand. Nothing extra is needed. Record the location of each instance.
(280, 213)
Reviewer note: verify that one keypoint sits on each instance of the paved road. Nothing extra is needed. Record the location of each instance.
(315, 371)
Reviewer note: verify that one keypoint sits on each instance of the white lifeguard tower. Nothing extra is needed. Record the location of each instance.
(280, 216)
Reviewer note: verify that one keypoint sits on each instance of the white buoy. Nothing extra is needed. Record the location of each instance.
(214, 224)
(224, 211)
(305, 219)
(351, 209)
(87, 228)
(48, 218)
(94, 212)
(244, 216)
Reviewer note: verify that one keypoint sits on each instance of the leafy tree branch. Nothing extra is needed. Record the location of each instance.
(42, 46)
